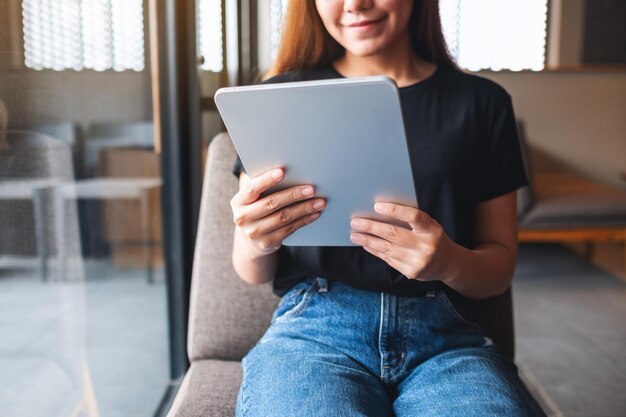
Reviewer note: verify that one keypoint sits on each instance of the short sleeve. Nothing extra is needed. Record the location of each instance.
(502, 163)
(238, 167)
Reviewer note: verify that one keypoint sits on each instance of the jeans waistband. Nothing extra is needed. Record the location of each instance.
(324, 285)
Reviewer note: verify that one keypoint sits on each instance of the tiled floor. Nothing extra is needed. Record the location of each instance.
(91, 348)
(571, 331)
(609, 257)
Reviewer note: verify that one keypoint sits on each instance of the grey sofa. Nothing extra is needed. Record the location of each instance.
(227, 316)
(561, 205)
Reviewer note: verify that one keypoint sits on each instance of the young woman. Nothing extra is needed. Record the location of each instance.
(388, 327)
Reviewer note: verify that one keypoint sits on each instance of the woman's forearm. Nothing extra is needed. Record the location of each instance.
(483, 272)
(251, 267)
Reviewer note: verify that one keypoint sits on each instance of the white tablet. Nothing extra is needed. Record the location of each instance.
(344, 136)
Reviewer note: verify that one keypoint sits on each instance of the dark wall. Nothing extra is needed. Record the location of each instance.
(605, 32)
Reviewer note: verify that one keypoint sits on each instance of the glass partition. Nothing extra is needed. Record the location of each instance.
(84, 325)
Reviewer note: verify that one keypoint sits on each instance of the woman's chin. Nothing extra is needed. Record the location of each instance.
(364, 51)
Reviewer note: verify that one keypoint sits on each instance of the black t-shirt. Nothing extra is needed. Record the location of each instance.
(464, 149)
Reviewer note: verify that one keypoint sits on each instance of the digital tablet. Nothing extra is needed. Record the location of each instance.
(344, 136)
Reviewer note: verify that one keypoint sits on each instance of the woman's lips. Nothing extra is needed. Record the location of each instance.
(365, 25)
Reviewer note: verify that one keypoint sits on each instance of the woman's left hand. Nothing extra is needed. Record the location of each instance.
(422, 253)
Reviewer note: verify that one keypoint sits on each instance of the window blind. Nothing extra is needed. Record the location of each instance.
(79, 34)
(496, 34)
(210, 34)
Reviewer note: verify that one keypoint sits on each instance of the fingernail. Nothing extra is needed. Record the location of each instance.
(277, 173)
(380, 206)
(318, 205)
(307, 191)
(356, 223)
(355, 238)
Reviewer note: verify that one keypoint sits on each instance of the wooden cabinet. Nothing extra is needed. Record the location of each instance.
(122, 220)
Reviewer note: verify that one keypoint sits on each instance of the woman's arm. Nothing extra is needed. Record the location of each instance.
(488, 269)
(424, 252)
(249, 265)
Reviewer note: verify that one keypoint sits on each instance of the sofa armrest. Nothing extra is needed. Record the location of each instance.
(209, 389)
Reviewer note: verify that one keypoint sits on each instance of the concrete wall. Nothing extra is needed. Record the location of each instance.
(83, 97)
(578, 118)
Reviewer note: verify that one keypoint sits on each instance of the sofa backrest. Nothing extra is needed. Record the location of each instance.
(227, 316)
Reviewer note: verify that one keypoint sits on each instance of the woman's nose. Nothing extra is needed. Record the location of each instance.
(357, 5)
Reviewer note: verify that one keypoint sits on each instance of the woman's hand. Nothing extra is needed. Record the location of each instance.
(267, 221)
(420, 253)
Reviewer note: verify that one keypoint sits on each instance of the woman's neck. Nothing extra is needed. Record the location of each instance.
(399, 62)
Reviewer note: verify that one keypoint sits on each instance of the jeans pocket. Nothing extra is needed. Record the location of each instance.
(295, 301)
(453, 311)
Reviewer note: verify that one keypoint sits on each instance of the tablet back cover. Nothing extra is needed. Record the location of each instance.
(345, 136)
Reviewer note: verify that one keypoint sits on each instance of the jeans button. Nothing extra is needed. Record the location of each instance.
(322, 284)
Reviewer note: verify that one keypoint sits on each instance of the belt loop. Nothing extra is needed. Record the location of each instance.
(322, 284)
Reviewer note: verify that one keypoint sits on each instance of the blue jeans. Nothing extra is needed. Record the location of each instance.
(334, 350)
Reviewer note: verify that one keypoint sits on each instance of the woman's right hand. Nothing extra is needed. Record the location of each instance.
(266, 221)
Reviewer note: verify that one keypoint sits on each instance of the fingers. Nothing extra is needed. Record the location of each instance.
(394, 263)
(392, 244)
(258, 184)
(268, 221)
(419, 220)
(274, 240)
(276, 201)
(395, 234)
(282, 233)
(382, 246)
(287, 215)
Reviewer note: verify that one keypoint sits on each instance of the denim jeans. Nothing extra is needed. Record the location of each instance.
(334, 350)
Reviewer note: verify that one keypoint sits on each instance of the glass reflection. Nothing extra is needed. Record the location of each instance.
(83, 328)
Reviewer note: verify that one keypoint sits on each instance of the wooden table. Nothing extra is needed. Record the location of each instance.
(109, 189)
(64, 192)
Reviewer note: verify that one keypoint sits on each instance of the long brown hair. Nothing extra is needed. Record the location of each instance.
(306, 44)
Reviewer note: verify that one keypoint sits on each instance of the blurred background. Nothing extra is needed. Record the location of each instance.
(106, 114)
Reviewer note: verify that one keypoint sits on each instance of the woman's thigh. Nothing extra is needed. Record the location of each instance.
(467, 382)
(313, 360)
(286, 377)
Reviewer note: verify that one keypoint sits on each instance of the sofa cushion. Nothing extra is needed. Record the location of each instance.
(227, 316)
(564, 199)
(209, 389)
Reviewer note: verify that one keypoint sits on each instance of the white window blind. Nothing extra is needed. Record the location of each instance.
(78, 34)
(210, 34)
(496, 34)
(277, 14)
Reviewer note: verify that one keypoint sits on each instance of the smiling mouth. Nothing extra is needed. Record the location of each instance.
(366, 24)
